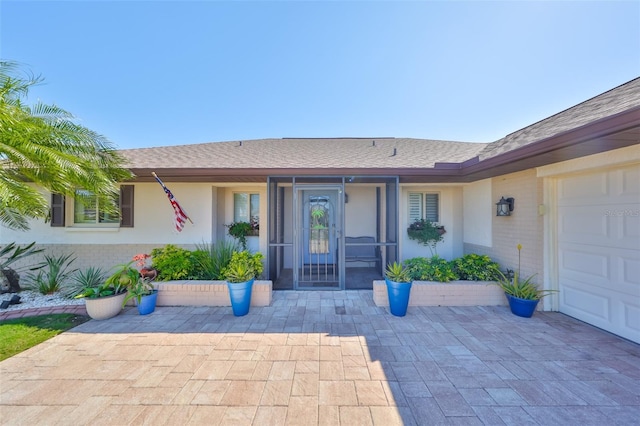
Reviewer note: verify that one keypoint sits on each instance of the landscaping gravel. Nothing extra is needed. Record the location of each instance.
(33, 299)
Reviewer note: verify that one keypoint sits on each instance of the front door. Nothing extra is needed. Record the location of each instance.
(317, 237)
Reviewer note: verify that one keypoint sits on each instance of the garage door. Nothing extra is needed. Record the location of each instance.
(599, 249)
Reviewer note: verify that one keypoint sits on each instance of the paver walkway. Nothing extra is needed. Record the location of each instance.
(325, 358)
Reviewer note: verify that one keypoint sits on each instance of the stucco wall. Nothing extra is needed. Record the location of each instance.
(360, 211)
(153, 221)
(450, 218)
(153, 225)
(524, 226)
(478, 212)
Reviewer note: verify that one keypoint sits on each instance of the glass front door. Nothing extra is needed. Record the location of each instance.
(317, 237)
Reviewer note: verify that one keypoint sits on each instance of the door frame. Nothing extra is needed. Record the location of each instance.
(298, 224)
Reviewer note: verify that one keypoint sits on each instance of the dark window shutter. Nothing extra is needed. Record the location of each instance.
(126, 206)
(57, 210)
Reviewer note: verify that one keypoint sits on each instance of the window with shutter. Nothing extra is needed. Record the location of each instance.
(87, 212)
(423, 205)
(431, 207)
(415, 206)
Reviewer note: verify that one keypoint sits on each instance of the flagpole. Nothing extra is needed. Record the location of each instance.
(164, 187)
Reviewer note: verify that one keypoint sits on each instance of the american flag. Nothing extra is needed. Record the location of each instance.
(180, 217)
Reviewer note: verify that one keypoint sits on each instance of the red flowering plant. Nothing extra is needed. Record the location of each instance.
(141, 259)
(141, 262)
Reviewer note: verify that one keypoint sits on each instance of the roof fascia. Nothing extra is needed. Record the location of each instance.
(555, 148)
(618, 123)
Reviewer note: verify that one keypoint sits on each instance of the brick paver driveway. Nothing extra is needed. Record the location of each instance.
(325, 358)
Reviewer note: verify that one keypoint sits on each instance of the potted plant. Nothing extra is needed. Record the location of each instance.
(426, 233)
(145, 271)
(103, 298)
(398, 288)
(523, 296)
(240, 231)
(240, 273)
(145, 295)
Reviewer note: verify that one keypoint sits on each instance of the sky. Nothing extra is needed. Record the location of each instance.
(155, 73)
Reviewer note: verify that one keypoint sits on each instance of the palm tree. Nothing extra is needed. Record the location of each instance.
(42, 147)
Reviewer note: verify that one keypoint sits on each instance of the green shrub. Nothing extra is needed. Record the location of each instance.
(54, 274)
(173, 263)
(475, 267)
(430, 269)
(197, 259)
(213, 258)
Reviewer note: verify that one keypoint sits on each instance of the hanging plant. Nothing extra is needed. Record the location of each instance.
(240, 231)
(426, 233)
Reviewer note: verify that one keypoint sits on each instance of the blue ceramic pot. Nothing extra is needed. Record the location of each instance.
(522, 307)
(240, 295)
(398, 297)
(148, 303)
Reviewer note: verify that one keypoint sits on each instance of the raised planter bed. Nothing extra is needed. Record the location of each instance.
(454, 293)
(207, 293)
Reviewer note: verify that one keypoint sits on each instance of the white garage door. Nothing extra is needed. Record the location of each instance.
(599, 249)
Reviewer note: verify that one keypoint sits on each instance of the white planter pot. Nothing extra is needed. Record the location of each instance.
(102, 308)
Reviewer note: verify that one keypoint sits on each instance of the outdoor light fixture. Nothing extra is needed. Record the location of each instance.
(504, 207)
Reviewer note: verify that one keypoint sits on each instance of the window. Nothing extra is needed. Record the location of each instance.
(87, 212)
(424, 205)
(246, 208)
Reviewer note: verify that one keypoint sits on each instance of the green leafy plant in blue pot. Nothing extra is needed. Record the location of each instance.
(523, 295)
(145, 295)
(240, 274)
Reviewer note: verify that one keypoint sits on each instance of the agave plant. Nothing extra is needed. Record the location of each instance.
(54, 275)
(396, 272)
(521, 289)
(88, 283)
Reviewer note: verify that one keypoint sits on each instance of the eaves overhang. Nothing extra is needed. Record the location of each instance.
(613, 132)
(609, 133)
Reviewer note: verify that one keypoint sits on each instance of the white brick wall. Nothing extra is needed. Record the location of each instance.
(524, 226)
(455, 293)
(207, 293)
(105, 256)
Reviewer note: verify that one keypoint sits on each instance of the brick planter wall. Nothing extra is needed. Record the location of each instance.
(454, 293)
(207, 293)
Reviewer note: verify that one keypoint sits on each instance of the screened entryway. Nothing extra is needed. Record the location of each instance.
(331, 232)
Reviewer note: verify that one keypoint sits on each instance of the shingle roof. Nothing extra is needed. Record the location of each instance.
(356, 153)
(376, 153)
(614, 101)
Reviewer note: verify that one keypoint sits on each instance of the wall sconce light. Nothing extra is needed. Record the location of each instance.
(504, 207)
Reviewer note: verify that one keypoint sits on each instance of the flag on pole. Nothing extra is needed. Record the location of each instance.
(180, 217)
